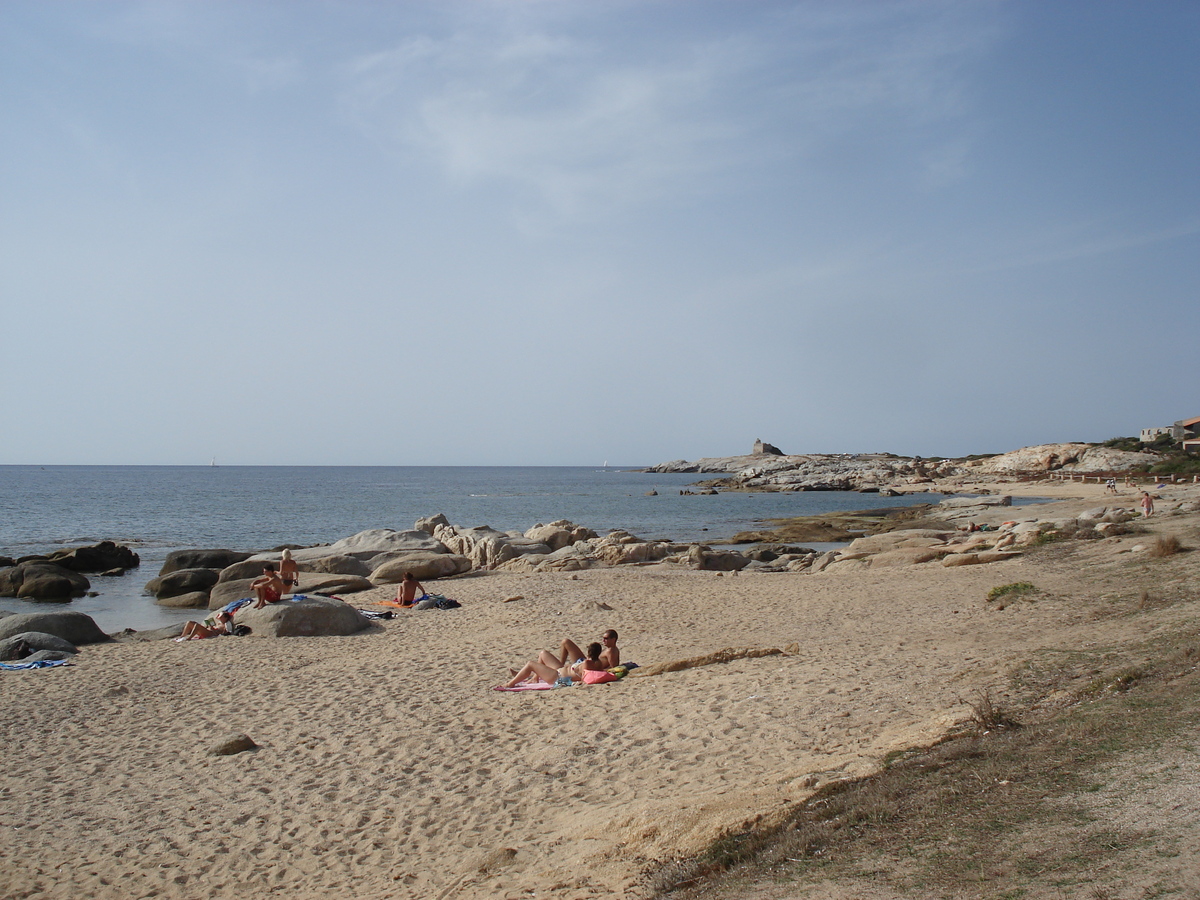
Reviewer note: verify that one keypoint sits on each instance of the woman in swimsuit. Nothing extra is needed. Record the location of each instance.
(289, 572)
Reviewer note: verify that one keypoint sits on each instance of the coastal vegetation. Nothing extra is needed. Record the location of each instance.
(1057, 807)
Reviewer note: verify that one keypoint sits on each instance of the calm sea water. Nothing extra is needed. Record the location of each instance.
(157, 509)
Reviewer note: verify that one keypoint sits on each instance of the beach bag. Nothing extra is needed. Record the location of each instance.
(240, 630)
(447, 603)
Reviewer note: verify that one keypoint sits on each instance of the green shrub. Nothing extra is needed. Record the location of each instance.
(1011, 591)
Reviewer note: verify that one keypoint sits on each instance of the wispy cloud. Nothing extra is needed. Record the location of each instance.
(580, 124)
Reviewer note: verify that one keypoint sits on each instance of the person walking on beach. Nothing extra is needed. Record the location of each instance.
(268, 587)
(1147, 505)
(406, 594)
(570, 654)
(289, 572)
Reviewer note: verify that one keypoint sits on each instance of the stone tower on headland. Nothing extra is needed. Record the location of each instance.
(761, 449)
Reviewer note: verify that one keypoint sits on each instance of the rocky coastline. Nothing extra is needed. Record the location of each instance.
(888, 473)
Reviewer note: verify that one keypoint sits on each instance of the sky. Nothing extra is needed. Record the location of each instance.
(568, 232)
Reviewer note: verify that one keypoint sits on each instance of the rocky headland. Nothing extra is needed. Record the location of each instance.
(888, 473)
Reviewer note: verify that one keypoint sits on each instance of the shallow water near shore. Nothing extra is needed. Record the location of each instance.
(157, 509)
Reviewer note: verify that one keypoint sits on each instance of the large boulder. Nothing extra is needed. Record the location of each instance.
(75, 627)
(311, 617)
(423, 565)
(620, 554)
(345, 565)
(100, 557)
(559, 534)
(41, 580)
(190, 600)
(716, 560)
(914, 538)
(201, 559)
(430, 523)
(366, 544)
(483, 545)
(34, 640)
(184, 581)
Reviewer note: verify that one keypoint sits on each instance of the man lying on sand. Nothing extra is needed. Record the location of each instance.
(590, 670)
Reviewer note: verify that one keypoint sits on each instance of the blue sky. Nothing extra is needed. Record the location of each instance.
(558, 232)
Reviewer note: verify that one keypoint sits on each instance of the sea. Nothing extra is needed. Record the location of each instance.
(157, 509)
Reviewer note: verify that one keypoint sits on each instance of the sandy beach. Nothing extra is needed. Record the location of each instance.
(387, 767)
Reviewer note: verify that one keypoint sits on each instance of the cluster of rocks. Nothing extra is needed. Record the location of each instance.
(952, 546)
(887, 473)
(60, 575)
(433, 549)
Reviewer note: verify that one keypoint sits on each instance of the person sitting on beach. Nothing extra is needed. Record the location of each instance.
(406, 594)
(590, 670)
(268, 587)
(569, 653)
(289, 572)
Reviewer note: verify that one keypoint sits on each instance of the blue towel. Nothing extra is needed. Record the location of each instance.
(236, 605)
(37, 664)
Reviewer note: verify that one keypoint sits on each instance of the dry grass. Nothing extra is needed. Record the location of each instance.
(1165, 545)
(992, 812)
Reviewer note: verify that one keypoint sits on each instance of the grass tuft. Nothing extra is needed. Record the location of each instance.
(1166, 545)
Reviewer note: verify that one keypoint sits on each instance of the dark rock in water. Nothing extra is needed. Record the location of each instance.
(238, 743)
(41, 580)
(184, 581)
(311, 617)
(34, 641)
(96, 557)
(201, 559)
(113, 573)
(6, 561)
(75, 627)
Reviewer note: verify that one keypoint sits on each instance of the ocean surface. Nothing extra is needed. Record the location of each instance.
(156, 509)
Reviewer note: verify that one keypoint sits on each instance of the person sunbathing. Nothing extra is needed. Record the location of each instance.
(569, 653)
(194, 631)
(220, 622)
(590, 670)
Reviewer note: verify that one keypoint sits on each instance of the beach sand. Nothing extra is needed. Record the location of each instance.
(387, 767)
